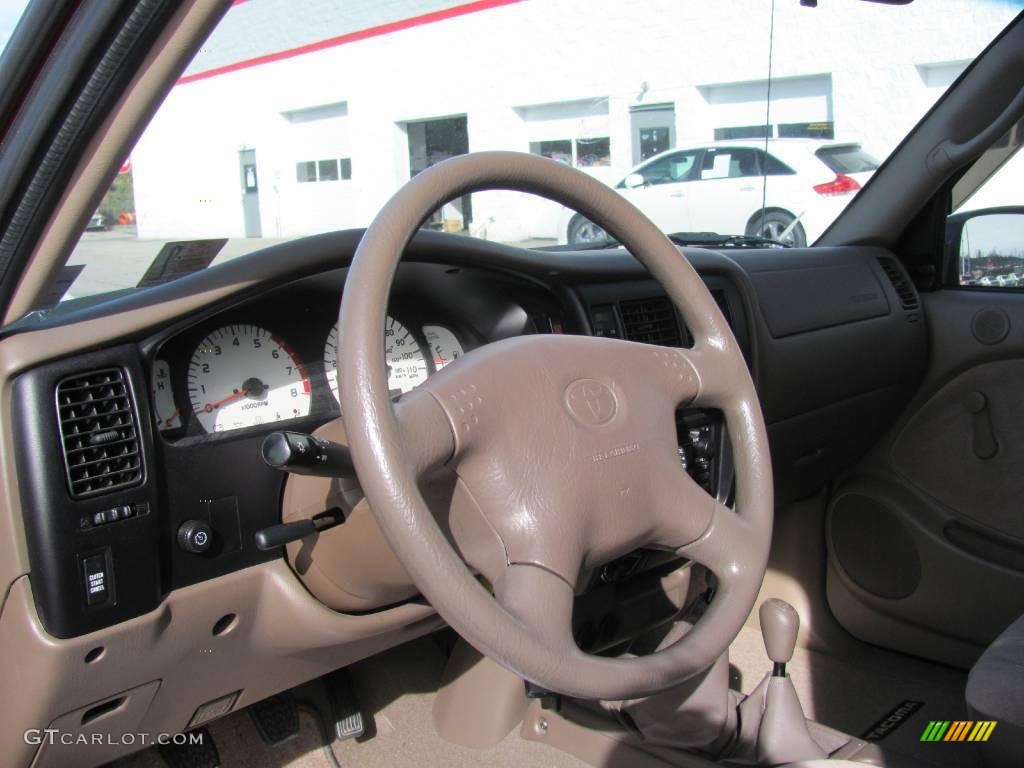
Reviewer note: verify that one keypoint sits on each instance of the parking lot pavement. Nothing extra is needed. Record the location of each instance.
(116, 258)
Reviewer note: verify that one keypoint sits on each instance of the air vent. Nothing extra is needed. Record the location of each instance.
(906, 292)
(98, 431)
(650, 321)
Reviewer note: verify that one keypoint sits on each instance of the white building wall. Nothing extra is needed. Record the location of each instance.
(186, 169)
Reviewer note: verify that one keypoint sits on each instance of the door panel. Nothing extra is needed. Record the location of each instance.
(926, 535)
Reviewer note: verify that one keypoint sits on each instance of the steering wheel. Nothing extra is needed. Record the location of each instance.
(566, 444)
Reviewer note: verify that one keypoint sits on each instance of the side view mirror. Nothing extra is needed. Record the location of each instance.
(634, 181)
(987, 246)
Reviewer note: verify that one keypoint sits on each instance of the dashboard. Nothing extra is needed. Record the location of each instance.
(165, 427)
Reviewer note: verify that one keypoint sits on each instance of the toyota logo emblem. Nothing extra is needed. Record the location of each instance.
(590, 402)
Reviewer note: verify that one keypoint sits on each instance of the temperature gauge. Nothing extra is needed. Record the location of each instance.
(164, 410)
(444, 347)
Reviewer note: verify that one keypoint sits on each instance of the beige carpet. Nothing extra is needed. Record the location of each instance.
(851, 694)
(397, 687)
(240, 746)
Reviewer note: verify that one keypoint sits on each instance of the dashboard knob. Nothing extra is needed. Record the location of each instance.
(195, 536)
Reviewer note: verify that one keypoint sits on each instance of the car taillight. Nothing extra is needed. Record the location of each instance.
(840, 185)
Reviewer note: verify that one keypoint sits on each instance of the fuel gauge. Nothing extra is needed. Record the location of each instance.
(164, 410)
(444, 346)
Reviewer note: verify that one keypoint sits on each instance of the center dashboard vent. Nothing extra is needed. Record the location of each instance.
(904, 288)
(98, 431)
(650, 321)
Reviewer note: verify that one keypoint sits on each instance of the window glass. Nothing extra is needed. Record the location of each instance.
(255, 142)
(743, 132)
(559, 149)
(593, 152)
(986, 234)
(10, 13)
(772, 166)
(672, 168)
(305, 171)
(328, 170)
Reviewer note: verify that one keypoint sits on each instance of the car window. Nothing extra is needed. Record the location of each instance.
(772, 166)
(733, 163)
(269, 137)
(985, 236)
(670, 169)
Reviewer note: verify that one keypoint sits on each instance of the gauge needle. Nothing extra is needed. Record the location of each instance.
(170, 419)
(237, 394)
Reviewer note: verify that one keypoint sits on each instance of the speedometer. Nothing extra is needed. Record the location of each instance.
(407, 364)
(242, 376)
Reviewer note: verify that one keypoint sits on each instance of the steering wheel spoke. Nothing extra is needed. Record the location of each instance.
(729, 547)
(716, 373)
(426, 433)
(683, 511)
(542, 601)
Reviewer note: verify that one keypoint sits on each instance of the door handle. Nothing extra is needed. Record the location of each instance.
(747, 188)
(677, 194)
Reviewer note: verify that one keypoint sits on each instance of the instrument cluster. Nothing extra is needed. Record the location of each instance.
(241, 375)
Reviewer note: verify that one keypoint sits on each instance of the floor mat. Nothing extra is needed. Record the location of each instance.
(854, 693)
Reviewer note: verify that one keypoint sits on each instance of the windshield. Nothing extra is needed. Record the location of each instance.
(745, 118)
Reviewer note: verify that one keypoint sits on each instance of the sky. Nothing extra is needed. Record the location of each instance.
(10, 12)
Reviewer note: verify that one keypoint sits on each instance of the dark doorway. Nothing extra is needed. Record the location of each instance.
(430, 142)
(654, 130)
(250, 192)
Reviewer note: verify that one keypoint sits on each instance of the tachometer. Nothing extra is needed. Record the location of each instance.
(242, 376)
(164, 410)
(407, 365)
(444, 345)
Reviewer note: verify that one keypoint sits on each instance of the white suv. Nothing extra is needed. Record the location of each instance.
(790, 193)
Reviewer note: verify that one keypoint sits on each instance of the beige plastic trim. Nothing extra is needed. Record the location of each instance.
(479, 701)
(281, 636)
(598, 740)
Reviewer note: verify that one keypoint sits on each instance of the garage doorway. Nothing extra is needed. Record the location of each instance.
(653, 127)
(430, 142)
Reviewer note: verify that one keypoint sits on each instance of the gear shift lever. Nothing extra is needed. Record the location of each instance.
(779, 626)
(776, 730)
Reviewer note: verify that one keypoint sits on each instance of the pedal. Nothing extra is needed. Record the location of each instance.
(345, 708)
(202, 754)
(276, 718)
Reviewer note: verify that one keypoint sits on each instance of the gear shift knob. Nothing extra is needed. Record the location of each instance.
(779, 626)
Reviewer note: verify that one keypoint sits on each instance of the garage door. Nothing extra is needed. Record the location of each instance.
(801, 108)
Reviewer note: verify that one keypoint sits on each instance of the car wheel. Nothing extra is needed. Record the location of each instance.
(584, 232)
(780, 226)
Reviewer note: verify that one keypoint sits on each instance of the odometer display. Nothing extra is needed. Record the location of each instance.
(243, 376)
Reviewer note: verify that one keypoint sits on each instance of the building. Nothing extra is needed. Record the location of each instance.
(312, 118)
